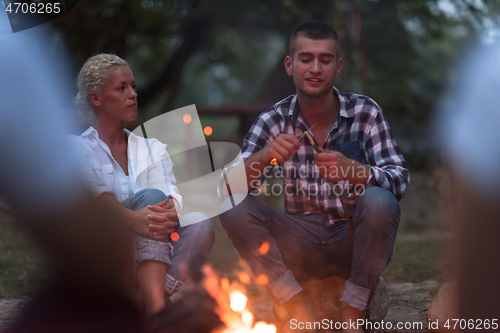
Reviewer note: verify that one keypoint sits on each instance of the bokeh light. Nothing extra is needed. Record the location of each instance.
(244, 278)
(262, 279)
(187, 118)
(264, 248)
(174, 236)
(208, 130)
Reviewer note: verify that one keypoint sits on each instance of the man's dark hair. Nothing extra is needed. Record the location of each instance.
(313, 30)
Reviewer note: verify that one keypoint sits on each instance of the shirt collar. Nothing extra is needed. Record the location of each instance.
(92, 132)
(130, 136)
(344, 112)
(293, 111)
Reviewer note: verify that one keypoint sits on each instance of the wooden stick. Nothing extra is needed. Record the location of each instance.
(341, 198)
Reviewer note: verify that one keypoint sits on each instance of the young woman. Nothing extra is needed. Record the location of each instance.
(113, 157)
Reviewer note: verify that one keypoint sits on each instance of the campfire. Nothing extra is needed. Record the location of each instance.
(233, 301)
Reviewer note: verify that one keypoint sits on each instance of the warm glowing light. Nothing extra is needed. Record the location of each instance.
(208, 130)
(174, 236)
(187, 118)
(247, 318)
(271, 328)
(262, 279)
(244, 278)
(264, 248)
(224, 284)
(238, 301)
(232, 305)
(262, 327)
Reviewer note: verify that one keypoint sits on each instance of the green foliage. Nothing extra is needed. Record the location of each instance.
(226, 52)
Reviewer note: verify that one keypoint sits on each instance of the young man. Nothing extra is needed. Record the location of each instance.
(358, 160)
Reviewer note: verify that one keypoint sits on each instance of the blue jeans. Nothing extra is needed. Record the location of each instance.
(195, 240)
(303, 247)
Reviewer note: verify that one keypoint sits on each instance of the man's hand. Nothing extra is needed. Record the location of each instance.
(336, 166)
(281, 148)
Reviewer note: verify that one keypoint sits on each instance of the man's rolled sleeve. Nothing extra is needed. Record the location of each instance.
(388, 167)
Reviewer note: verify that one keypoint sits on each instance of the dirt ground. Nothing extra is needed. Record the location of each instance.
(409, 304)
(8, 310)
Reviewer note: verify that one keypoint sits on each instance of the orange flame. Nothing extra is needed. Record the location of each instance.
(244, 278)
(233, 305)
(238, 301)
(262, 279)
(224, 284)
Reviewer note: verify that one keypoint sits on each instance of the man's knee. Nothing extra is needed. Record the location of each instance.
(378, 205)
(202, 228)
(201, 224)
(231, 215)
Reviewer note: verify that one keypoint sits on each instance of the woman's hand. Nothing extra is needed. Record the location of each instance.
(155, 221)
(165, 214)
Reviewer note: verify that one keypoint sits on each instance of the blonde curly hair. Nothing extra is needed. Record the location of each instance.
(92, 78)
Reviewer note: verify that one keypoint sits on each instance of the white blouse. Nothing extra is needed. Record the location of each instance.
(149, 166)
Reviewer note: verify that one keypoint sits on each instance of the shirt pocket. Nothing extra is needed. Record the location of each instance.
(107, 175)
(352, 149)
(103, 173)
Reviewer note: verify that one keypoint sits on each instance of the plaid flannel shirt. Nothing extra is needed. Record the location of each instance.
(361, 133)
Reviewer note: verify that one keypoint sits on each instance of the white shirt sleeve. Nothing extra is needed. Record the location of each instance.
(88, 167)
(154, 168)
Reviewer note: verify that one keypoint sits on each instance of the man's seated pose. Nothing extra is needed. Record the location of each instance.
(357, 162)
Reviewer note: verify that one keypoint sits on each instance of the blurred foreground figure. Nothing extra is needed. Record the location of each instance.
(85, 245)
(84, 240)
(468, 131)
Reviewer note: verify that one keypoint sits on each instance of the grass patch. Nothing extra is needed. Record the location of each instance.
(419, 257)
(20, 265)
(223, 256)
